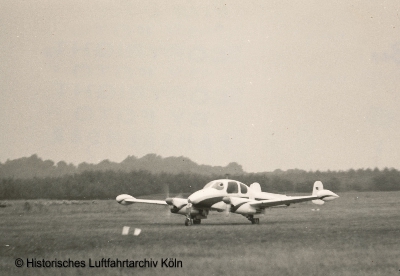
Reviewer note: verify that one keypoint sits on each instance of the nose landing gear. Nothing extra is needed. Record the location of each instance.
(188, 221)
(194, 216)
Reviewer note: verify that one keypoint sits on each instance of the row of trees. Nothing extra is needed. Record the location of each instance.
(33, 166)
(108, 184)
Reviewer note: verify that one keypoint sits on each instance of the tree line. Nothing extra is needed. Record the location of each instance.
(108, 184)
(33, 166)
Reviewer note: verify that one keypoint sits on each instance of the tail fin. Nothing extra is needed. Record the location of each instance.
(318, 186)
(255, 187)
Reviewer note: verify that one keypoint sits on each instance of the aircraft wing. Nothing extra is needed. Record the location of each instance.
(149, 201)
(127, 199)
(281, 201)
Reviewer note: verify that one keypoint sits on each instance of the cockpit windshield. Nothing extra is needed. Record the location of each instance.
(231, 186)
(208, 184)
(218, 185)
(215, 184)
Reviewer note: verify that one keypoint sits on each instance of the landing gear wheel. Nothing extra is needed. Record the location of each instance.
(254, 220)
(196, 221)
(188, 222)
(251, 218)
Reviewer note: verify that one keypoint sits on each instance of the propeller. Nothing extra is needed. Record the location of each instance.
(227, 201)
(179, 195)
(174, 203)
(166, 190)
(189, 208)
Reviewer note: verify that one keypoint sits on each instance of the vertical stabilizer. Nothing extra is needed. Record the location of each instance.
(318, 186)
(255, 187)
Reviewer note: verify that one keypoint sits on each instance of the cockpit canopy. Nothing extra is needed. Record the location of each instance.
(230, 186)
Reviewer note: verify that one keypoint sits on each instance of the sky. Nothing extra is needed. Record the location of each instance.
(313, 85)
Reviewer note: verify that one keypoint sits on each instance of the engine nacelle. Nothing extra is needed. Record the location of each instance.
(246, 209)
(219, 206)
(184, 210)
(240, 205)
(177, 202)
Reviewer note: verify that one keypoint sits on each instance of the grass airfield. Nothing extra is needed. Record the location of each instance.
(357, 234)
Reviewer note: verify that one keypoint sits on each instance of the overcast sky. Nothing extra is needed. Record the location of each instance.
(268, 84)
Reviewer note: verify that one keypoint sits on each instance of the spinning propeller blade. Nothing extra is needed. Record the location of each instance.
(189, 208)
(228, 203)
(169, 207)
(228, 210)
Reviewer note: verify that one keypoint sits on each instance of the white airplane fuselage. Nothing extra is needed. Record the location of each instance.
(217, 194)
(231, 196)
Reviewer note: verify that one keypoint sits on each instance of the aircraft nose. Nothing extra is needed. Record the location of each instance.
(196, 197)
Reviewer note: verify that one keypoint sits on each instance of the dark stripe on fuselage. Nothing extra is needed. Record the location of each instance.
(237, 206)
(176, 209)
(207, 203)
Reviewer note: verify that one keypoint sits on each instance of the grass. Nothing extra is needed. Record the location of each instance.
(357, 234)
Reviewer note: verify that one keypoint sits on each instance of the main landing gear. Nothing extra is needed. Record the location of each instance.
(253, 220)
(189, 221)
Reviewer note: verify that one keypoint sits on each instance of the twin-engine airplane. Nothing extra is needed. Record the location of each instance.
(231, 196)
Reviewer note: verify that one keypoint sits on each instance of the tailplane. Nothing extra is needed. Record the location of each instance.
(322, 194)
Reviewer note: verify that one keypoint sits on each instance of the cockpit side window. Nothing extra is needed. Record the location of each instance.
(218, 185)
(243, 188)
(232, 188)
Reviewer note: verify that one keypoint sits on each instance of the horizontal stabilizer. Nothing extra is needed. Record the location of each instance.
(322, 194)
(318, 201)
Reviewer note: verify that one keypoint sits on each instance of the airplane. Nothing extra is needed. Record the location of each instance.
(231, 196)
